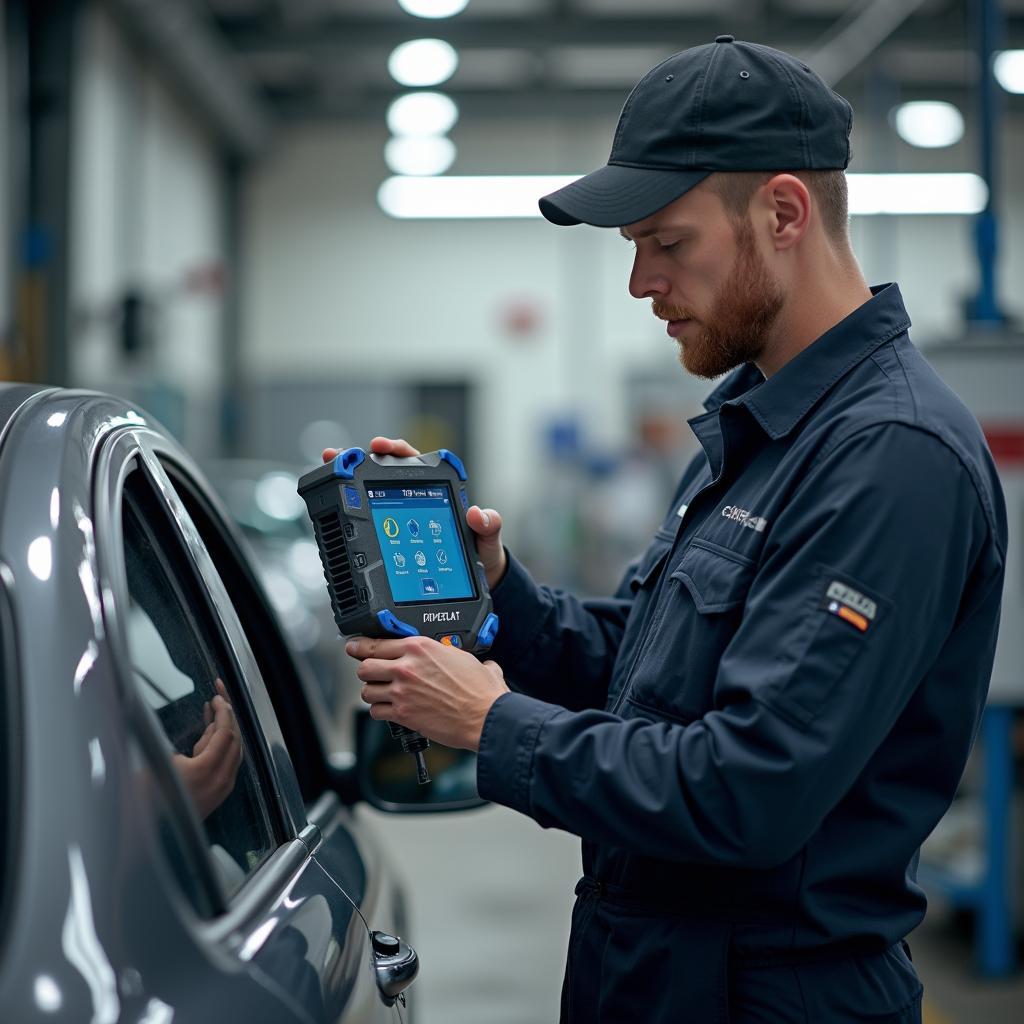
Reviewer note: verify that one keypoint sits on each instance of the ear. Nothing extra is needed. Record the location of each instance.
(789, 207)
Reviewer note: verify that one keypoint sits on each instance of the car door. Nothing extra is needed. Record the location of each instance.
(272, 898)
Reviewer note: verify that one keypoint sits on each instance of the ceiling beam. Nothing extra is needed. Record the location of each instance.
(336, 34)
(200, 64)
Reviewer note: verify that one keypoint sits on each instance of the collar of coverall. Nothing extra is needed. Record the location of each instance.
(779, 403)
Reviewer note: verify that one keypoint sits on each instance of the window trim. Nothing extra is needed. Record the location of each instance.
(297, 701)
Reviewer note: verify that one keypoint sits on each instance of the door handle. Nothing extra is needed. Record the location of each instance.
(395, 964)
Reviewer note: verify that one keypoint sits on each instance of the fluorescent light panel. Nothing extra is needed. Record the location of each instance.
(422, 62)
(422, 113)
(930, 124)
(1009, 70)
(515, 196)
(428, 154)
(433, 8)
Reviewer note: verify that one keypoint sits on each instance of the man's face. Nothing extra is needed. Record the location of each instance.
(707, 278)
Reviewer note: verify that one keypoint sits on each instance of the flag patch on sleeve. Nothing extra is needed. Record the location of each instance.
(850, 605)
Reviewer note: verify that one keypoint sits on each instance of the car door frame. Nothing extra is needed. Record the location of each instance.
(240, 925)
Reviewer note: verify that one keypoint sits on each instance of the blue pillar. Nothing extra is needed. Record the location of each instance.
(994, 947)
(984, 309)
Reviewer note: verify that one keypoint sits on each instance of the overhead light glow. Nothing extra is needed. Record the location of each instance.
(515, 196)
(423, 62)
(275, 496)
(433, 8)
(422, 113)
(916, 194)
(429, 154)
(929, 123)
(1009, 70)
(467, 197)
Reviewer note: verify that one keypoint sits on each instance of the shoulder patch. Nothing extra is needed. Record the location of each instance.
(849, 605)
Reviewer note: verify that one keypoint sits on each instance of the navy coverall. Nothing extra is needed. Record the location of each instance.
(756, 733)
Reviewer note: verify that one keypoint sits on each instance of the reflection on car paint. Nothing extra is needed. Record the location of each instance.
(82, 945)
(87, 569)
(97, 766)
(85, 663)
(47, 994)
(254, 943)
(40, 558)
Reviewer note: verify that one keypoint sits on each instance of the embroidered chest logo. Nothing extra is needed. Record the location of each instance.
(744, 518)
(850, 605)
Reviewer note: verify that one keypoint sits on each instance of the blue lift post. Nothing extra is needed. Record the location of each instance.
(995, 947)
(991, 895)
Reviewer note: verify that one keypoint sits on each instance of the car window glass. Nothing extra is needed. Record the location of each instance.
(182, 675)
(297, 704)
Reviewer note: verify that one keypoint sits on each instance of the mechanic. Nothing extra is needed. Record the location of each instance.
(755, 734)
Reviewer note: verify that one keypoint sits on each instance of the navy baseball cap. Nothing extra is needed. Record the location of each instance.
(724, 106)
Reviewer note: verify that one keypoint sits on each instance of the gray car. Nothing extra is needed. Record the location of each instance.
(176, 842)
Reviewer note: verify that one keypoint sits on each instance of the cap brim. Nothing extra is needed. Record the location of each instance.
(614, 196)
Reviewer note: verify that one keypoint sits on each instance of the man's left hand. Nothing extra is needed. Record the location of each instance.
(442, 692)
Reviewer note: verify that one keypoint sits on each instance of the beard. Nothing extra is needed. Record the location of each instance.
(742, 314)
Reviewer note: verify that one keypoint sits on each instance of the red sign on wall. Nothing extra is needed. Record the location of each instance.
(1006, 441)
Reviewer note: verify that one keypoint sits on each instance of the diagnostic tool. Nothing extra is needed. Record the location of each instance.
(399, 556)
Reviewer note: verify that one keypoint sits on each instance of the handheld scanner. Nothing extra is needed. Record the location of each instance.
(398, 554)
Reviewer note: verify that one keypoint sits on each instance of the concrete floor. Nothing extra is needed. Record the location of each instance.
(491, 894)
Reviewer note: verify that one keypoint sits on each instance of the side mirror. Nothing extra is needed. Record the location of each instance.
(386, 775)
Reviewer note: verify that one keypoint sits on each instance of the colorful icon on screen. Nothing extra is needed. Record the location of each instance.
(413, 527)
(391, 527)
(421, 559)
(442, 556)
(399, 559)
(429, 586)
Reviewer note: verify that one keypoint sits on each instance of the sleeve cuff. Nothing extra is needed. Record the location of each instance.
(505, 759)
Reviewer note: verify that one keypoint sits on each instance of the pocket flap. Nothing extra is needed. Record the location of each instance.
(716, 582)
(652, 560)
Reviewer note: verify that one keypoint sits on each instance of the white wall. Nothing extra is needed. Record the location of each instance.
(335, 286)
(146, 210)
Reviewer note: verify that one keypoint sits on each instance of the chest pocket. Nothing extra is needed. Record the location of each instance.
(698, 611)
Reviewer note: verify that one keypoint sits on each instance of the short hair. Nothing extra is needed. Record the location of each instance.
(736, 188)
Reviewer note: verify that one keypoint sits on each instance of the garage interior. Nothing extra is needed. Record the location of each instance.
(235, 214)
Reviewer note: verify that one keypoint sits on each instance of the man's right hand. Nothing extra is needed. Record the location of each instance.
(484, 522)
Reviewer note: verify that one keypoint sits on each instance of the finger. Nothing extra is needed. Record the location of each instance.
(382, 712)
(485, 522)
(329, 454)
(222, 689)
(203, 740)
(207, 713)
(393, 446)
(363, 647)
(376, 693)
(223, 715)
(375, 670)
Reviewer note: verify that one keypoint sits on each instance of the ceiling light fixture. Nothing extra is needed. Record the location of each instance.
(1009, 70)
(929, 124)
(515, 196)
(433, 8)
(423, 62)
(419, 156)
(422, 113)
